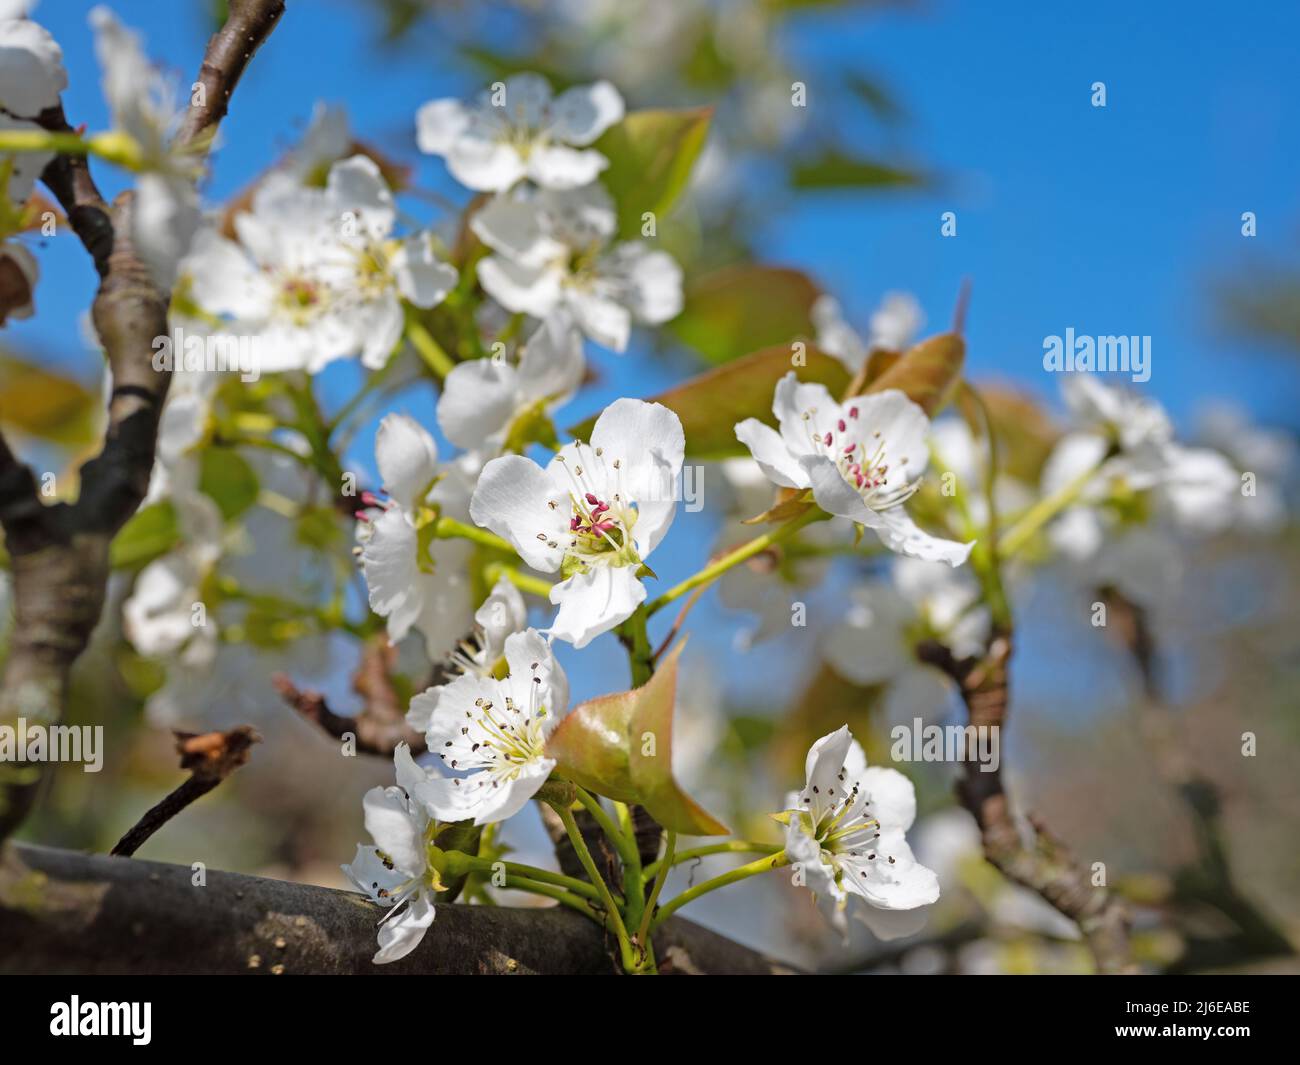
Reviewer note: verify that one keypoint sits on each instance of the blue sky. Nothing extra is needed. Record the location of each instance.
(1114, 220)
(1109, 221)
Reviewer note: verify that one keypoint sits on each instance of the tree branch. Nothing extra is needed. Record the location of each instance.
(210, 758)
(1040, 862)
(248, 25)
(381, 724)
(62, 912)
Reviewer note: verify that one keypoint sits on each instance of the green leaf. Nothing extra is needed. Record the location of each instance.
(711, 404)
(228, 479)
(650, 155)
(45, 405)
(151, 531)
(621, 746)
(928, 373)
(835, 170)
(743, 308)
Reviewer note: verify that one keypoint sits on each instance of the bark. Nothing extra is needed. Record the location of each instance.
(69, 913)
(1031, 856)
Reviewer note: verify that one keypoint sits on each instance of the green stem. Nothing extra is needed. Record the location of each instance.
(640, 656)
(426, 347)
(113, 146)
(643, 933)
(529, 872)
(607, 899)
(732, 846)
(450, 528)
(762, 865)
(624, 845)
(733, 558)
(1042, 512)
(561, 896)
(536, 585)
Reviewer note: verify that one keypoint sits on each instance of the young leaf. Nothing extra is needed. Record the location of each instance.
(928, 373)
(650, 155)
(711, 404)
(621, 746)
(835, 170)
(46, 405)
(229, 480)
(151, 531)
(740, 309)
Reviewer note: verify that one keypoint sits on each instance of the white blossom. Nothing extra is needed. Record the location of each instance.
(595, 513)
(875, 641)
(395, 871)
(31, 78)
(502, 614)
(553, 251)
(495, 731)
(316, 274)
(165, 215)
(893, 325)
(862, 459)
(414, 580)
(845, 837)
(483, 400)
(519, 130)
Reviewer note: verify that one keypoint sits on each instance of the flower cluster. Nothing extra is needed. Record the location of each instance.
(487, 537)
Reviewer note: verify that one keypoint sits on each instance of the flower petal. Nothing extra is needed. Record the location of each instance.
(518, 288)
(513, 498)
(395, 831)
(400, 933)
(772, 454)
(478, 402)
(438, 125)
(648, 443)
(594, 602)
(407, 458)
(555, 166)
(581, 114)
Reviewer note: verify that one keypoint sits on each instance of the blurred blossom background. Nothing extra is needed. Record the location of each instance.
(1125, 220)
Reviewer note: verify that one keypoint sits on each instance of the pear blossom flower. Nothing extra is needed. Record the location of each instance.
(483, 400)
(158, 617)
(845, 835)
(1129, 420)
(165, 216)
(395, 870)
(875, 642)
(1267, 454)
(31, 78)
(553, 251)
(519, 131)
(861, 458)
(1125, 528)
(316, 274)
(502, 614)
(415, 581)
(496, 732)
(595, 513)
(326, 140)
(893, 326)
